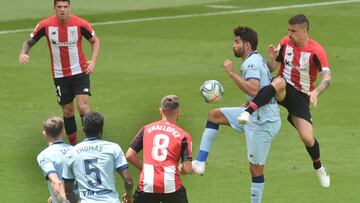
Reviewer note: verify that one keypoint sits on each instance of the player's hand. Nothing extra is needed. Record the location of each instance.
(228, 66)
(49, 200)
(125, 198)
(90, 67)
(313, 97)
(24, 58)
(273, 51)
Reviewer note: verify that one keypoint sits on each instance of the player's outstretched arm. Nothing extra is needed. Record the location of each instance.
(57, 187)
(23, 56)
(95, 46)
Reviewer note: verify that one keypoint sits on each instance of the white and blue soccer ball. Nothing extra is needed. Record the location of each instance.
(211, 91)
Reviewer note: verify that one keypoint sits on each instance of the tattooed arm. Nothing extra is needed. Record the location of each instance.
(24, 57)
(324, 84)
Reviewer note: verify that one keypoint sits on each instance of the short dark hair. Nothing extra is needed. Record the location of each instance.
(169, 103)
(93, 124)
(55, 1)
(299, 20)
(53, 126)
(247, 35)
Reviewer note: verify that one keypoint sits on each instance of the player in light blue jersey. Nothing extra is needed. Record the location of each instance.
(51, 159)
(93, 163)
(265, 123)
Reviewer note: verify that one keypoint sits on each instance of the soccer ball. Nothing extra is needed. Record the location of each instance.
(211, 91)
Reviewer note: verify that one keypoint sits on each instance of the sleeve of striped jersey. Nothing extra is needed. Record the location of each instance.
(252, 71)
(137, 143)
(86, 30)
(321, 60)
(46, 165)
(186, 148)
(280, 56)
(120, 160)
(38, 32)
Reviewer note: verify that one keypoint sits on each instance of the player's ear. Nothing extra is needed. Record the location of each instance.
(160, 111)
(44, 134)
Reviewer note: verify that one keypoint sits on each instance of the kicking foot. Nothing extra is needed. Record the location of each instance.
(244, 117)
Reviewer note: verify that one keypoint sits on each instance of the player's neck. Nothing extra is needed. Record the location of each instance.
(303, 42)
(63, 21)
(171, 119)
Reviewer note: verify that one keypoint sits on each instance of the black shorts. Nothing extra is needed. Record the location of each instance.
(67, 88)
(178, 196)
(297, 103)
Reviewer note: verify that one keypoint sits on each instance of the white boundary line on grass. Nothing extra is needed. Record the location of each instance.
(135, 20)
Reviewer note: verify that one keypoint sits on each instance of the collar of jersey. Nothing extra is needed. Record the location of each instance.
(92, 138)
(254, 52)
(58, 142)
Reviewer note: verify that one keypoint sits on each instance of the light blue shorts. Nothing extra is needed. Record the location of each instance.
(258, 136)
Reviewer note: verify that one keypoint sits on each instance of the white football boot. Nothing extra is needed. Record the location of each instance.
(198, 167)
(323, 177)
(243, 118)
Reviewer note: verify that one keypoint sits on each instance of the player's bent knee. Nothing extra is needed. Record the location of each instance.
(279, 83)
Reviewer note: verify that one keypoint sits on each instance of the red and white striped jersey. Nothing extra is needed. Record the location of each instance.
(300, 65)
(163, 145)
(64, 41)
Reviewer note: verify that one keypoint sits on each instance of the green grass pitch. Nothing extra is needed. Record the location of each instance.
(142, 61)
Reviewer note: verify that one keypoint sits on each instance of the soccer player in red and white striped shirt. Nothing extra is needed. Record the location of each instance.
(301, 59)
(70, 69)
(163, 144)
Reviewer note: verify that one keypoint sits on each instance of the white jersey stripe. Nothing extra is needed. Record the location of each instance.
(304, 71)
(54, 39)
(148, 171)
(169, 179)
(73, 50)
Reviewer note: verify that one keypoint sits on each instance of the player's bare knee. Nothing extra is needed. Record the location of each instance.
(214, 115)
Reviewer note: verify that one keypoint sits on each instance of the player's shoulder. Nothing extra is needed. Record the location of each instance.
(285, 40)
(48, 21)
(78, 20)
(316, 46)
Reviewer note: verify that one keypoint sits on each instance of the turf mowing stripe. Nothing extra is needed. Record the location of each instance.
(135, 20)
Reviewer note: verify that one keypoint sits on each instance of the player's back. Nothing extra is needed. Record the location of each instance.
(52, 160)
(163, 143)
(93, 163)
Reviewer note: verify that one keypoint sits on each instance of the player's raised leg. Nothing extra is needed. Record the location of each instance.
(265, 94)
(215, 118)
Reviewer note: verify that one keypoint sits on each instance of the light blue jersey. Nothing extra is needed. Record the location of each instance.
(254, 67)
(51, 160)
(265, 122)
(93, 163)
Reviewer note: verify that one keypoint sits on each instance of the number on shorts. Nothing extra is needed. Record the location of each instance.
(159, 150)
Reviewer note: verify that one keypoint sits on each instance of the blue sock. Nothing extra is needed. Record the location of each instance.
(207, 140)
(257, 188)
